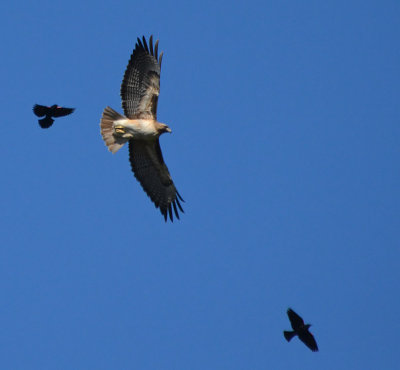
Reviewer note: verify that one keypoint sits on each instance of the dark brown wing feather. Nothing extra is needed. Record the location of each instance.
(152, 173)
(295, 320)
(60, 111)
(40, 110)
(308, 339)
(141, 83)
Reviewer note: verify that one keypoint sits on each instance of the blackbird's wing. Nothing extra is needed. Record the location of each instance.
(60, 111)
(295, 320)
(308, 339)
(40, 110)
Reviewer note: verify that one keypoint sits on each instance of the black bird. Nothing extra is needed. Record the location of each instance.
(301, 330)
(53, 111)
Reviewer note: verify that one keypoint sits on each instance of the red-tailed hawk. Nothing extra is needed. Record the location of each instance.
(139, 92)
(301, 330)
(53, 111)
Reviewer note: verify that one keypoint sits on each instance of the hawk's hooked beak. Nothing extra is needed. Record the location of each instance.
(167, 129)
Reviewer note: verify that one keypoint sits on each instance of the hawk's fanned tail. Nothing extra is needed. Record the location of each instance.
(114, 143)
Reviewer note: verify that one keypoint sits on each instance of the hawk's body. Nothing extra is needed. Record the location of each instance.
(139, 92)
(143, 129)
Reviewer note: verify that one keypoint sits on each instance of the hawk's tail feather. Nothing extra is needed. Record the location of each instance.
(289, 335)
(114, 143)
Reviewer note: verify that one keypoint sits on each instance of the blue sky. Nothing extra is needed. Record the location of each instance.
(285, 146)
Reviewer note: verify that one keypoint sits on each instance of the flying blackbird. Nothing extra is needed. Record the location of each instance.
(301, 330)
(48, 112)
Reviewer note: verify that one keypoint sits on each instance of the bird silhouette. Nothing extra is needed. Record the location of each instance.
(49, 112)
(139, 128)
(301, 330)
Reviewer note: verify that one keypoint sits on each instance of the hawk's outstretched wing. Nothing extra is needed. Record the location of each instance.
(150, 170)
(141, 83)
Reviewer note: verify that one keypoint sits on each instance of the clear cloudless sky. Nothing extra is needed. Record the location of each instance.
(285, 146)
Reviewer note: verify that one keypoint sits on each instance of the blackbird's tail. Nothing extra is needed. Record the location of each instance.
(46, 122)
(289, 335)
